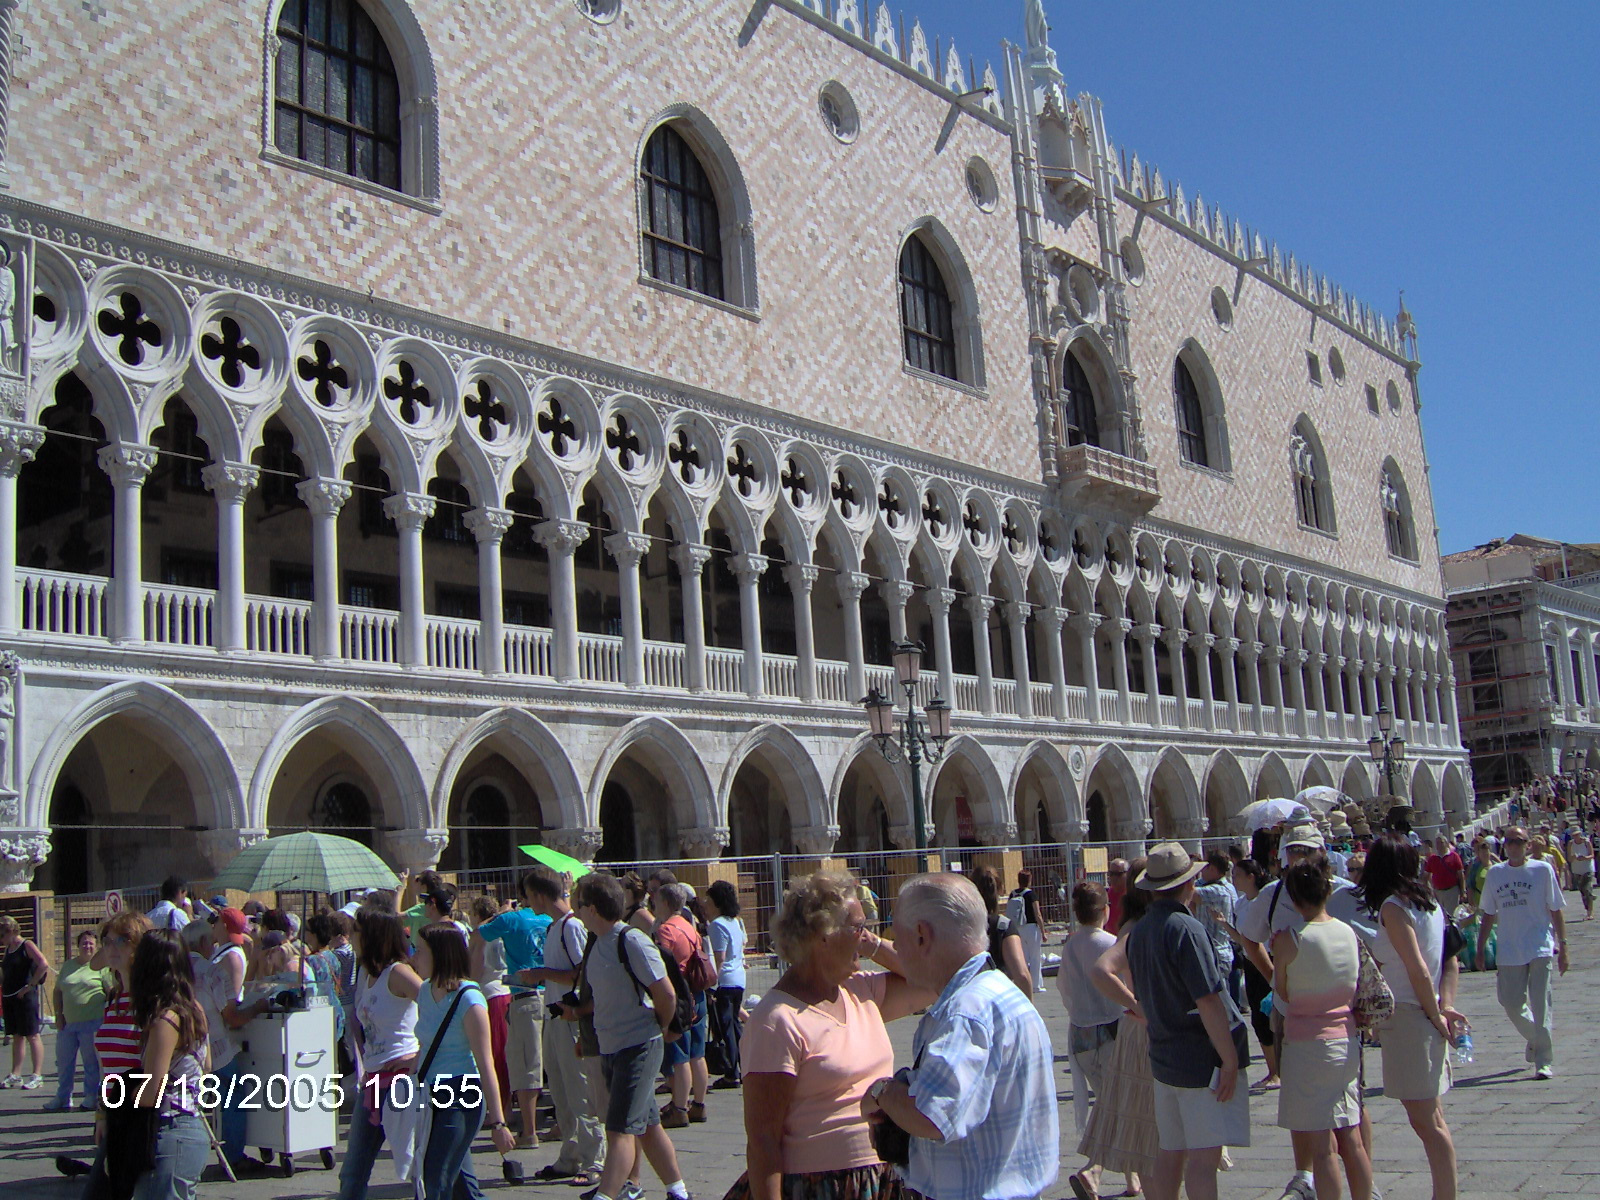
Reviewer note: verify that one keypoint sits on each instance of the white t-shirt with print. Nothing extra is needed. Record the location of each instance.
(1521, 900)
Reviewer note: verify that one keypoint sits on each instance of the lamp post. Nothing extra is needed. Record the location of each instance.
(1387, 748)
(919, 737)
(1569, 753)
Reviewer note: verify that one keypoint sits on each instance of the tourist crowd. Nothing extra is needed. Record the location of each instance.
(625, 999)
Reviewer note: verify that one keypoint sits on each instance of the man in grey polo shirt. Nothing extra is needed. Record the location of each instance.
(1197, 1034)
(633, 1005)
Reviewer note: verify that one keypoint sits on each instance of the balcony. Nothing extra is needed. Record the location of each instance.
(1089, 475)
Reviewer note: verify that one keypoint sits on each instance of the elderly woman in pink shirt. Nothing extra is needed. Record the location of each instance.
(814, 1045)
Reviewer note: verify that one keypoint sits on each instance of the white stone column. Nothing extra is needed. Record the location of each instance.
(896, 593)
(1146, 636)
(409, 511)
(1274, 658)
(1297, 689)
(1419, 708)
(1352, 674)
(561, 538)
(1052, 618)
(489, 526)
(1569, 686)
(1228, 647)
(1335, 685)
(692, 558)
(629, 550)
(802, 578)
(979, 608)
(582, 843)
(1591, 697)
(1430, 708)
(1402, 694)
(18, 444)
(851, 585)
(1176, 640)
(129, 464)
(939, 602)
(1319, 695)
(1084, 625)
(748, 569)
(1369, 688)
(1386, 690)
(324, 497)
(1202, 661)
(1120, 628)
(231, 483)
(1447, 693)
(1250, 654)
(1017, 618)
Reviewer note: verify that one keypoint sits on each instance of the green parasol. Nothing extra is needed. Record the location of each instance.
(565, 864)
(306, 862)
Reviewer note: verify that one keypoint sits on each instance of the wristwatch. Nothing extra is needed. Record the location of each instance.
(879, 1087)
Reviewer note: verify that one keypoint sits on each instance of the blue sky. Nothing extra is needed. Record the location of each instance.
(1449, 149)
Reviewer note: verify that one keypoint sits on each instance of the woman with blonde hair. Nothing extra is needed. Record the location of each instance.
(814, 1045)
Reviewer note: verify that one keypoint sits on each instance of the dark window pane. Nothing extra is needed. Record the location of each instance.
(388, 107)
(366, 39)
(317, 20)
(289, 71)
(288, 130)
(365, 165)
(338, 25)
(682, 234)
(315, 148)
(289, 16)
(388, 166)
(316, 85)
(363, 99)
(338, 150)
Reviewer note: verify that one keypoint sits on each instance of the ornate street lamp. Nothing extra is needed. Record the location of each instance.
(1386, 748)
(920, 736)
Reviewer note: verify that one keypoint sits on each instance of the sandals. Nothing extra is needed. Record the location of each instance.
(1080, 1187)
(585, 1179)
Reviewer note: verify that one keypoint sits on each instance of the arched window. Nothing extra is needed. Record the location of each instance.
(336, 92)
(1191, 416)
(682, 228)
(345, 807)
(1398, 529)
(1312, 496)
(926, 317)
(1078, 404)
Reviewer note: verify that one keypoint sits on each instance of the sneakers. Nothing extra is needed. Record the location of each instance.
(32, 1081)
(697, 1113)
(725, 1084)
(1300, 1188)
(1539, 1072)
(673, 1117)
(11, 1081)
(628, 1191)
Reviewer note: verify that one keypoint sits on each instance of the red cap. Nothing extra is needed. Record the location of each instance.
(232, 924)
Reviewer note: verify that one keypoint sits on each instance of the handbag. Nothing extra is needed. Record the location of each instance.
(1374, 1002)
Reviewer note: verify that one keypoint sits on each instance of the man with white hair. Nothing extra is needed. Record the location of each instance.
(980, 1104)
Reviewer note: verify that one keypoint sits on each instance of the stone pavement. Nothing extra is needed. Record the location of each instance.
(1514, 1136)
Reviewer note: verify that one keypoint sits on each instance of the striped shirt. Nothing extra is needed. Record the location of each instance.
(117, 1040)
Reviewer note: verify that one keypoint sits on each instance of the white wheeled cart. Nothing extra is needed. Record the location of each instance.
(292, 1055)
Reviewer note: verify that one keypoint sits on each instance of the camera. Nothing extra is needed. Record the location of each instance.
(557, 1008)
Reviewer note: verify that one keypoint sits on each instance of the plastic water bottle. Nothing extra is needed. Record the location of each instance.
(1464, 1048)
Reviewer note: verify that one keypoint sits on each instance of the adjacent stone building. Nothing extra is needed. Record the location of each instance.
(457, 424)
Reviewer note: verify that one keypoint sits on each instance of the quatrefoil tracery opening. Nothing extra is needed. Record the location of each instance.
(557, 427)
(321, 368)
(132, 330)
(231, 351)
(409, 393)
(484, 407)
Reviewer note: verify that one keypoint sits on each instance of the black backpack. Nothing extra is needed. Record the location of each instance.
(686, 1013)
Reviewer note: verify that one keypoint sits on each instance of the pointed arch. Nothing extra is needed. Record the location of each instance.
(1273, 779)
(665, 748)
(969, 750)
(803, 790)
(1316, 773)
(1112, 774)
(1394, 499)
(1199, 410)
(1227, 791)
(1313, 486)
(375, 744)
(530, 746)
(1172, 797)
(172, 723)
(1455, 793)
(1084, 361)
(891, 782)
(1062, 802)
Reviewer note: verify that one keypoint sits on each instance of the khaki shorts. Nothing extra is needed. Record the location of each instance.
(1191, 1118)
(524, 1054)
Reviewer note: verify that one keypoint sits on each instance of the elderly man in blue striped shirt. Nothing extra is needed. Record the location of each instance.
(980, 1104)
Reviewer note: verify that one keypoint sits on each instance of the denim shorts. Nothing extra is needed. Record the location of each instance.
(693, 1042)
(630, 1076)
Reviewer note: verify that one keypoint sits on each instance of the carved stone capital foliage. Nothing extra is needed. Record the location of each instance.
(1203, 640)
(417, 849)
(851, 585)
(22, 852)
(324, 497)
(749, 568)
(692, 558)
(488, 524)
(1053, 618)
(979, 607)
(1273, 653)
(896, 592)
(231, 482)
(1177, 639)
(129, 464)
(1190, 827)
(1077, 830)
(704, 841)
(1018, 611)
(940, 599)
(998, 833)
(801, 577)
(1297, 657)
(1147, 633)
(816, 841)
(560, 536)
(409, 509)
(581, 844)
(904, 837)
(1082, 623)
(628, 548)
(1228, 646)
(1132, 831)
(222, 846)
(18, 444)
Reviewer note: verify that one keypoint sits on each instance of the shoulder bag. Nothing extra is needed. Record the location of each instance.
(1374, 1002)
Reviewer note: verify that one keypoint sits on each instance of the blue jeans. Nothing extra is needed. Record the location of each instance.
(231, 1119)
(362, 1143)
(74, 1041)
(449, 1148)
(182, 1148)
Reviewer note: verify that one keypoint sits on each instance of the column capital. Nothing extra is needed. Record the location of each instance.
(801, 577)
(979, 607)
(816, 841)
(998, 833)
(222, 846)
(1123, 626)
(1191, 827)
(749, 567)
(851, 585)
(1132, 831)
(22, 852)
(561, 536)
(1404, 674)
(896, 592)
(628, 548)
(940, 599)
(1340, 662)
(1228, 646)
(1250, 651)
(1053, 617)
(1176, 639)
(231, 482)
(1147, 633)
(409, 509)
(1085, 622)
(1320, 657)
(691, 557)
(18, 444)
(488, 525)
(1018, 610)
(1297, 656)
(582, 844)
(416, 849)
(1204, 640)
(1273, 653)
(323, 496)
(704, 842)
(128, 463)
